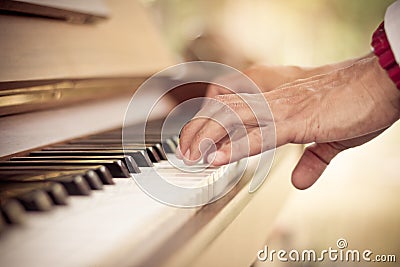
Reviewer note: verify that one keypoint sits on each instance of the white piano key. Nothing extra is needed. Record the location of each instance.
(95, 232)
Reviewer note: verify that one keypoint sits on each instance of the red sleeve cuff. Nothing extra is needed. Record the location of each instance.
(383, 51)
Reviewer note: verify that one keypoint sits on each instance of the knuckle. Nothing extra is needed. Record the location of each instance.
(221, 98)
(227, 98)
(194, 143)
(226, 109)
(336, 147)
(252, 70)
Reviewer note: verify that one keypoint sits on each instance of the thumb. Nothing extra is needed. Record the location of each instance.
(313, 163)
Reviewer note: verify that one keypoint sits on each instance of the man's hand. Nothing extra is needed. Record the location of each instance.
(317, 157)
(342, 108)
(268, 77)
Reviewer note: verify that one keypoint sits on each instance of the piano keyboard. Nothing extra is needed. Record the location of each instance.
(76, 203)
(53, 189)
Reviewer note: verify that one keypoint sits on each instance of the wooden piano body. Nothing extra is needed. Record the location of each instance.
(61, 81)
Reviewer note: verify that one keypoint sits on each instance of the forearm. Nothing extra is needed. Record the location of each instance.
(269, 77)
(309, 72)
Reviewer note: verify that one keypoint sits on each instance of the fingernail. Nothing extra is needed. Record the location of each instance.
(215, 157)
(187, 154)
(211, 157)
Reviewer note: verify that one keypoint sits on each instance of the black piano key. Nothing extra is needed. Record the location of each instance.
(54, 190)
(73, 184)
(32, 197)
(93, 180)
(112, 142)
(153, 155)
(129, 150)
(12, 211)
(150, 150)
(116, 167)
(35, 201)
(166, 146)
(2, 224)
(57, 193)
(140, 157)
(160, 151)
(128, 160)
(149, 138)
(102, 172)
(90, 176)
(175, 139)
(169, 146)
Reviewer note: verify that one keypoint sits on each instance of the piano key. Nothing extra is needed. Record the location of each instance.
(175, 139)
(2, 224)
(73, 184)
(116, 167)
(159, 149)
(102, 172)
(90, 176)
(32, 197)
(141, 157)
(128, 160)
(134, 137)
(151, 152)
(57, 193)
(92, 179)
(168, 146)
(12, 211)
(148, 138)
(54, 190)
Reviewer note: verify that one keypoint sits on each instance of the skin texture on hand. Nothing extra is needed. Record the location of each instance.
(336, 107)
(267, 78)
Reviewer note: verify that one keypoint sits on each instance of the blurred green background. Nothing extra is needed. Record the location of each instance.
(298, 32)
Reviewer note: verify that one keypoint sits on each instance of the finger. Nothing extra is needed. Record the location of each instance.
(226, 113)
(234, 116)
(207, 136)
(236, 149)
(247, 112)
(213, 149)
(316, 158)
(190, 129)
(188, 132)
(243, 119)
(313, 163)
(212, 123)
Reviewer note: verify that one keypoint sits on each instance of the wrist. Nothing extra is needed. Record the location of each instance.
(384, 86)
(309, 72)
(381, 48)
